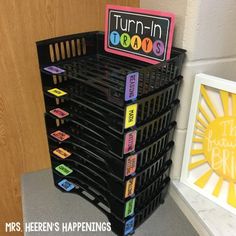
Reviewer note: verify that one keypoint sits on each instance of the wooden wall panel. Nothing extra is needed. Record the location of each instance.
(23, 143)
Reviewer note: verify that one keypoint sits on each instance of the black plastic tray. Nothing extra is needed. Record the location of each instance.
(119, 189)
(105, 141)
(101, 200)
(117, 206)
(85, 103)
(98, 96)
(120, 169)
(83, 58)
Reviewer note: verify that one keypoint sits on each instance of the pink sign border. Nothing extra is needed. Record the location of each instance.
(144, 11)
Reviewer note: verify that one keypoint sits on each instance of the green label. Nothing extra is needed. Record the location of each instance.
(64, 169)
(129, 207)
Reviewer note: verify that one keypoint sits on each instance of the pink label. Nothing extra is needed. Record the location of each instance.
(130, 141)
(58, 112)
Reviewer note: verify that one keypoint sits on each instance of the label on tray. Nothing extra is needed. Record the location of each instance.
(130, 115)
(66, 185)
(54, 69)
(59, 135)
(129, 207)
(57, 92)
(62, 153)
(130, 165)
(130, 186)
(63, 169)
(131, 87)
(129, 226)
(60, 113)
(130, 141)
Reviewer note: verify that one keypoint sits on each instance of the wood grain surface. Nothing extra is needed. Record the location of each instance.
(23, 144)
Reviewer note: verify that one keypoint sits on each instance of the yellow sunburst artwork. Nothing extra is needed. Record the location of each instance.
(209, 163)
(215, 143)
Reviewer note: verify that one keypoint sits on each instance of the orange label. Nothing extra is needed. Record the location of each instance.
(130, 186)
(62, 153)
(59, 135)
(130, 165)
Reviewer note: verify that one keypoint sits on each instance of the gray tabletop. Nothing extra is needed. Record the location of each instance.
(42, 202)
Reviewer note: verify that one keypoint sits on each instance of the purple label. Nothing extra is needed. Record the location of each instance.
(131, 87)
(54, 69)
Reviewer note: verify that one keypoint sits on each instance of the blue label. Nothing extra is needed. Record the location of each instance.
(131, 86)
(66, 185)
(129, 226)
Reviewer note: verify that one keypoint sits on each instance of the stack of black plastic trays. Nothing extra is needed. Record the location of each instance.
(110, 122)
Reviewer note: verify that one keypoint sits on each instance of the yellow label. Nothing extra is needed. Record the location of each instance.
(57, 92)
(130, 187)
(130, 115)
(62, 153)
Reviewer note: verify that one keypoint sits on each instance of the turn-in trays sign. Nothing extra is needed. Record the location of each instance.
(140, 34)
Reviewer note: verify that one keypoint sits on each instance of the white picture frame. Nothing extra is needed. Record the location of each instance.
(209, 163)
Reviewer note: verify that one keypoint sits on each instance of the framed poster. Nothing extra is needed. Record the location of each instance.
(209, 164)
(141, 34)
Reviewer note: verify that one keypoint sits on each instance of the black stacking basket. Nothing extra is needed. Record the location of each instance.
(110, 141)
